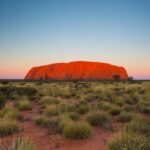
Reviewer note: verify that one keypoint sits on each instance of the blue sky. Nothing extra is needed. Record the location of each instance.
(37, 32)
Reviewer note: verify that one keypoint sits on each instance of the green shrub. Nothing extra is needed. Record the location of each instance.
(129, 141)
(76, 129)
(115, 110)
(139, 126)
(100, 119)
(124, 117)
(22, 144)
(8, 127)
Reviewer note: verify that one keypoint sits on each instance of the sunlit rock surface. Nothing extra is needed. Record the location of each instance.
(78, 70)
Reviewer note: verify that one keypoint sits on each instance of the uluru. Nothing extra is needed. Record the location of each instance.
(77, 70)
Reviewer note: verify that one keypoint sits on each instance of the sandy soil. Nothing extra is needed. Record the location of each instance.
(48, 141)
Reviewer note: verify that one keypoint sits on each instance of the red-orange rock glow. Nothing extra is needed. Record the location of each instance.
(78, 70)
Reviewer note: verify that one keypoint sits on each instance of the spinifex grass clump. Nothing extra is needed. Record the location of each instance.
(132, 98)
(8, 127)
(74, 116)
(74, 129)
(22, 144)
(144, 106)
(10, 112)
(129, 141)
(81, 108)
(49, 100)
(24, 104)
(120, 101)
(128, 108)
(104, 105)
(65, 107)
(101, 119)
(51, 111)
(90, 97)
(47, 122)
(139, 126)
(124, 117)
(115, 110)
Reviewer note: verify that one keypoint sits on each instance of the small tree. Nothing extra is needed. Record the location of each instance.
(116, 77)
(130, 79)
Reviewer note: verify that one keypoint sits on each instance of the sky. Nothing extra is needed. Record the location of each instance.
(40, 32)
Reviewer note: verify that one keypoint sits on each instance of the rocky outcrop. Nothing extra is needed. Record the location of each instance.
(78, 70)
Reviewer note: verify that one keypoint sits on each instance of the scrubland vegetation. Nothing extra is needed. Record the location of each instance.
(74, 109)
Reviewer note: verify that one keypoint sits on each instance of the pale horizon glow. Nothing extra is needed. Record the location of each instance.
(35, 33)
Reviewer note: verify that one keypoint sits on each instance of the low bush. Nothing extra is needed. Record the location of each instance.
(5, 82)
(21, 91)
(2, 100)
(100, 119)
(8, 127)
(14, 96)
(29, 91)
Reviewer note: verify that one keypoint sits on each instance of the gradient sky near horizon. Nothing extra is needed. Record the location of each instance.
(38, 32)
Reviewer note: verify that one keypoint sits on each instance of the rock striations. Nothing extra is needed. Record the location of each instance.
(78, 70)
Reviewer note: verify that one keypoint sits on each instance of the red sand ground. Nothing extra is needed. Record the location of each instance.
(46, 141)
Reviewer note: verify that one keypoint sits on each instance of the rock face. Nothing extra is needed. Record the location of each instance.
(78, 70)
